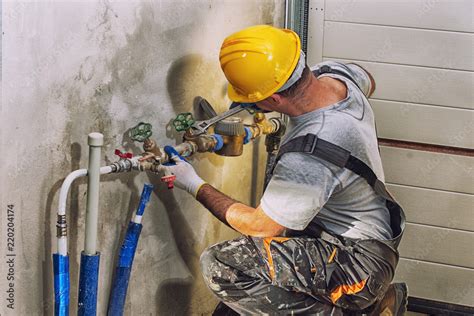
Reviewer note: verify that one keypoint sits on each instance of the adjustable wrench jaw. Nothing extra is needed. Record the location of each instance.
(201, 127)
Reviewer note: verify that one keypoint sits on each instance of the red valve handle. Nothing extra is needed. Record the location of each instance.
(169, 180)
(123, 155)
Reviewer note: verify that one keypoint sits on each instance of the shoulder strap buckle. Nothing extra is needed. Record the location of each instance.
(309, 143)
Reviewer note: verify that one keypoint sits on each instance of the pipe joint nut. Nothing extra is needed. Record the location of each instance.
(125, 165)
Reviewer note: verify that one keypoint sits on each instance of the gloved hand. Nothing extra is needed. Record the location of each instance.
(186, 178)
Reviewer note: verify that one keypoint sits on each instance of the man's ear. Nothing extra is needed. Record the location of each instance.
(276, 99)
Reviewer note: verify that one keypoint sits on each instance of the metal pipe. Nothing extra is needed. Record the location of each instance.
(272, 144)
(286, 24)
(95, 142)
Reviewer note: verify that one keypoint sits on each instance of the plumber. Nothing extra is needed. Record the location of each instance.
(324, 238)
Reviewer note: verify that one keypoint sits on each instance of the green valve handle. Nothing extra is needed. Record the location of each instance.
(141, 132)
(183, 122)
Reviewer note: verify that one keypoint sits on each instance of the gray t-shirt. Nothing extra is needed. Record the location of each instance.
(305, 188)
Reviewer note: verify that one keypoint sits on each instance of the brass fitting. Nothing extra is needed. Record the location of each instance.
(263, 126)
(149, 166)
(201, 143)
(149, 145)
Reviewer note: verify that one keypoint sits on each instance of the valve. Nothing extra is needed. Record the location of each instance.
(140, 132)
(123, 155)
(169, 180)
(183, 122)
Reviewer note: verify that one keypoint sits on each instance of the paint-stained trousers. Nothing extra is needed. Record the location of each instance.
(301, 275)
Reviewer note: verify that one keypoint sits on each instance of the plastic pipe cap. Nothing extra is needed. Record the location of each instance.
(95, 139)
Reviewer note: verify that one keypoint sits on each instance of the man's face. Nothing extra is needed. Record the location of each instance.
(265, 105)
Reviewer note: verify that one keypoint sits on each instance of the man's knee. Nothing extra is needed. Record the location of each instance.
(216, 275)
(208, 262)
(226, 265)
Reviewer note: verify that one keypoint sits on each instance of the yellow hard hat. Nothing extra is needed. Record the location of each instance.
(258, 61)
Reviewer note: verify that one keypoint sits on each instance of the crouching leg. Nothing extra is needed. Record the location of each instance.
(238, 273)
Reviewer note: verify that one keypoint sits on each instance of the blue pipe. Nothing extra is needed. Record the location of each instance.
(88, 279)
(118, 292)
(144, 198)
(61, 284)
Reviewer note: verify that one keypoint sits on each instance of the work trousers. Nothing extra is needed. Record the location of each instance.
(300, 275)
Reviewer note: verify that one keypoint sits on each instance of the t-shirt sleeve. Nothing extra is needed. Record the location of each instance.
(299, 188)
(356, 72)
(361, 77)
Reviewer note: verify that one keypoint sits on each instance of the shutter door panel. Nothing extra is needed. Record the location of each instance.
(450, 88)
(437, 282)
(416, 123)
(436, 208)
(428, 170)
(436, 15)
(397, 45)
(439, 245)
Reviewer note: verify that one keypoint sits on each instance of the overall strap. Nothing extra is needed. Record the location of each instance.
(325, 69)
(327, 151)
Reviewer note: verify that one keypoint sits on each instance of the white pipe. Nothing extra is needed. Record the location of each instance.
(63, 193)
(106, 169)
(95, 142)
(137, 219)
(62, 240)
(62, 245)
(65, 188)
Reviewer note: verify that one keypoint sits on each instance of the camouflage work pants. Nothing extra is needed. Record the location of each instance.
(301, 275)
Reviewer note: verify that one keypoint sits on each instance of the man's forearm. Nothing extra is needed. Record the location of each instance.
(215, 201)
(243, 218)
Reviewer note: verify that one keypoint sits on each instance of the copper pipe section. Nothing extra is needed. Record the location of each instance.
(427, 147)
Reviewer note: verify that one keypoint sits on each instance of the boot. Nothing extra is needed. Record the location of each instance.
(394, 302)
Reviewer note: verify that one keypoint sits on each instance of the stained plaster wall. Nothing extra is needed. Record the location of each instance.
(71, 68)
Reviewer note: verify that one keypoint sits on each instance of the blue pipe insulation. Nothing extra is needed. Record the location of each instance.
(123, 270)
(118, 292)
(144, 198)
(61, 284)
(88, 280)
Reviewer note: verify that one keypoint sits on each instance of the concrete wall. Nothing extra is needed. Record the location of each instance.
(70, 68)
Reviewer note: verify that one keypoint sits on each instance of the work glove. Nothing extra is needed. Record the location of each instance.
(186, 177)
